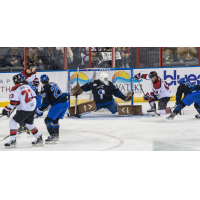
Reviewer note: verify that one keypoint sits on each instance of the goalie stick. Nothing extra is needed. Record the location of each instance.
(76, 98)
(144, 95)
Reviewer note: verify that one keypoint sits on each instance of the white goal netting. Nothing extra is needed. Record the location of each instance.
(122, 78)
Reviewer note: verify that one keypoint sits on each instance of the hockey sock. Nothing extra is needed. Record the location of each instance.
(56, 126)
(49, 125)
(35, 132)
(179, 107)
(197, 107)
(13, 134)
(166, 111)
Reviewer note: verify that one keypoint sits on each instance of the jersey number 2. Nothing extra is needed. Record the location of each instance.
(27, 99)
(56, 89)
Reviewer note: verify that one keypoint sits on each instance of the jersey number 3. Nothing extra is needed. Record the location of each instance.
(27, 99)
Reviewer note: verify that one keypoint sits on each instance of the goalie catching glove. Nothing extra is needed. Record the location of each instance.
(129, 96)
(77, 90)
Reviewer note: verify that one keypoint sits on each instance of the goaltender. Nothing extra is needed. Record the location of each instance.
(103, 91)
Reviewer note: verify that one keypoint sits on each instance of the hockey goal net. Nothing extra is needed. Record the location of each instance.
(122, 78)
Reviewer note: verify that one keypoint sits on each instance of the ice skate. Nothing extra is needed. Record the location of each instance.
(10, 144)
(38, 142)
(152, 109)
(52, 139)
(197, 116)
(170, 118)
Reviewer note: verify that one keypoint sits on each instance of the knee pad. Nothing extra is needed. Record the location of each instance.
(48, 120)
(13, 124)
(55, 121)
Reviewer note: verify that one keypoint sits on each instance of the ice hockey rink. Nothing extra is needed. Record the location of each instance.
(102, 131)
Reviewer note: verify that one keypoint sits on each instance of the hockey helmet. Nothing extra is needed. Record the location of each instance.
(182, 80)
(17, 79)
(36, 82)
(44, 78)
(153, 74)
(104, 78)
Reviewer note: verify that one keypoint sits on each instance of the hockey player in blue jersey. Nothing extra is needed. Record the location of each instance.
(52, 95)
(103, 91)
(191, 95)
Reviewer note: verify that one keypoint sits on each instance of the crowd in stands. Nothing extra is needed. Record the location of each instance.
(182, 56)
(52, 58)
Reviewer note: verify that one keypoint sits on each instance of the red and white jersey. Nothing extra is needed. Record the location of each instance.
(23, 97)
(160, 89)
(28, 77)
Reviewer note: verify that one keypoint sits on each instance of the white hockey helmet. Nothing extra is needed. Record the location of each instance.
(104, 78)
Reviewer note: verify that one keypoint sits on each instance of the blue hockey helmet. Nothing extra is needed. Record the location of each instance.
(182, 80)
(44, 78)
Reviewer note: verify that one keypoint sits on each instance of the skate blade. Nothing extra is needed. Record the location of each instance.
(10, 147)
(168, 120)
(50, 142)
(38, 145)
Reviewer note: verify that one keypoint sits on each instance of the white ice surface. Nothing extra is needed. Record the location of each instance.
(104, 131)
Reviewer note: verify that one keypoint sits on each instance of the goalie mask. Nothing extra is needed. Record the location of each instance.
(104, 78)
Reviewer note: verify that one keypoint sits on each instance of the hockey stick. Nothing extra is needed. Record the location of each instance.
(76, 98)
(144, 95)
(5, 138)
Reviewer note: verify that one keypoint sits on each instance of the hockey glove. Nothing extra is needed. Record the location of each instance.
(129, 96)
(6, 111)
(138, 76)
(39, 113)
(148, 97)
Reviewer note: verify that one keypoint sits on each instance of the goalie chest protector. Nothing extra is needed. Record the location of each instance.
(130, 110)
(83, 108)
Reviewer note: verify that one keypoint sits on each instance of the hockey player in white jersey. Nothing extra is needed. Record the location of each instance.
(161, 93)
(23, 98)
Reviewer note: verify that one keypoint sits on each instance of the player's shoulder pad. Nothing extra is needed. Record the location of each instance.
(158, 84)
(16, 86)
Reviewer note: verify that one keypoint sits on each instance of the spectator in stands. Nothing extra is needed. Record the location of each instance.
(186, 54)
(95, 62)
(167, 57)
(12, 58)
(85, 53)
(125, 55)
(60, 57)
(33, 55)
